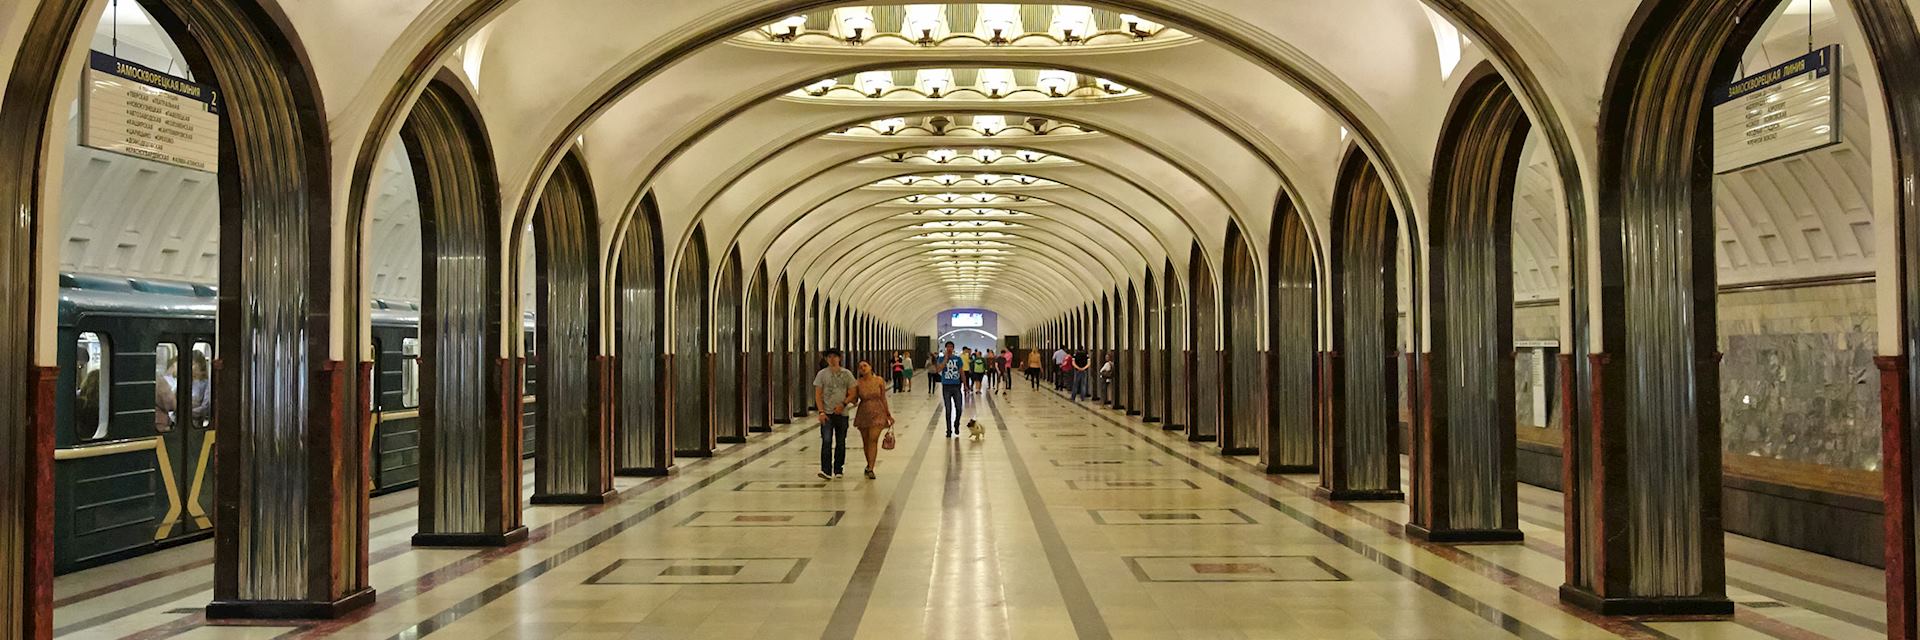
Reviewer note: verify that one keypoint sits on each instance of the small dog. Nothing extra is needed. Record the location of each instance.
(975, 431)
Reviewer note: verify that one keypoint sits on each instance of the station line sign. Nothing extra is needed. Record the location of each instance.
(1783, 111)
(143, 112)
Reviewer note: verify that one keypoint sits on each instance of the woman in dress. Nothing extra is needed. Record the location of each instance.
(906, 359)
(872, 415)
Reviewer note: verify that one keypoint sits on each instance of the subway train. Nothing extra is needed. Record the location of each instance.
(133, 468)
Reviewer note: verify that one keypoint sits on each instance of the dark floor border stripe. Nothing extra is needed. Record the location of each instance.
(1744, 616)
(1558, 552)
(500, 589)
(197, 563)
(1756, 562)
(1087, 621)
(1437, 586)
(176, 595)
(852, 607)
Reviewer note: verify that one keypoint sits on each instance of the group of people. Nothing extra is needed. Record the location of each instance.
(858, 398)
(980, 371)
(1072, 371)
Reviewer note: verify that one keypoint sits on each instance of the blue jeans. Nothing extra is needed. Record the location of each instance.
(1080, 385)
(950, 401)
(833, 445)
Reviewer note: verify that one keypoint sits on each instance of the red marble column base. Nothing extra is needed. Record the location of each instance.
(37, 621)
(1896, 447)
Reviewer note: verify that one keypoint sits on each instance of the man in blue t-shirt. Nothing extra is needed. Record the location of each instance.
(953, 371)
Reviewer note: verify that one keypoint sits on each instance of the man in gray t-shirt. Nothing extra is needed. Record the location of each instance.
(830, 387)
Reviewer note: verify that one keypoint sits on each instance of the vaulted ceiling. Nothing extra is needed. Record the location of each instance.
(1023, 158)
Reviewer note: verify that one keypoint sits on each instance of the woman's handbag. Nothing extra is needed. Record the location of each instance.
(886, 441)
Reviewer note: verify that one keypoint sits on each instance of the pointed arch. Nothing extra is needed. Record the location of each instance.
(1293, 352)
(1464, 449)
(693, 435)
(1362, 460)
(469, 434)
(1203, 352)
(570, 463)
(729, 355)
(642, 445)
(1243, 363)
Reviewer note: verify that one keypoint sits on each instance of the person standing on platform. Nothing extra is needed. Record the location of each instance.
(906, 359)
(1079, 364)
(832, 389)
(953, 373)
(1034, 363)
(977, 363)
(1060, 368)
(966, 370)
(993, 369)
(897, 371)
(1006, 371)
(933, 374)
(871, 415)
(1106, 378)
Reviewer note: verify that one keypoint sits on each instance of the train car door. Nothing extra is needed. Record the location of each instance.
(183, 420)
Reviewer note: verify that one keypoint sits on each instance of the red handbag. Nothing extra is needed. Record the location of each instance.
(886, 441)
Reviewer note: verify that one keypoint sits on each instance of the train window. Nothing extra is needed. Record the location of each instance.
(166, 386)
(201, 381)
(90, 390)
(410, 372)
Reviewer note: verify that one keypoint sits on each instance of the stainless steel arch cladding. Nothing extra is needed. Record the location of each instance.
(692, 311)
(759, 359)
(1464, 450)
(469, 438)
(1178, 370)
(1203, 355)
(570, 465)
(1243, 364)
(1361, 460)
(1293, 303)
(641, 444)
(729, 399)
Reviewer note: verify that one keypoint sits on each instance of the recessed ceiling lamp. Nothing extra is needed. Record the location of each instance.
(996, 82)
(935, 82)
(1070, 21)
(855, 23)
(1056, 82)
(789, 28)
(998, 20)
(875, 83)
(924, 19)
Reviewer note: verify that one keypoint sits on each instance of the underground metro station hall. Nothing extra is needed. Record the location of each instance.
(1155, 319)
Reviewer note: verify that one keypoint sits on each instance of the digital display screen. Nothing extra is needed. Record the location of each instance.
(969, 320)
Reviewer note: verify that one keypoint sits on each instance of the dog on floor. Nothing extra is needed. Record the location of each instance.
(975, 431)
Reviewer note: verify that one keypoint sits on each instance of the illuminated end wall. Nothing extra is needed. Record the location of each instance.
(978, 329)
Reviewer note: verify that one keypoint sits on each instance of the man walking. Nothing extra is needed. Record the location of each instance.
(953, 370)
(830, 389)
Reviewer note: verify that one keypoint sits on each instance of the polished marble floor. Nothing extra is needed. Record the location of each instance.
(1063, 521)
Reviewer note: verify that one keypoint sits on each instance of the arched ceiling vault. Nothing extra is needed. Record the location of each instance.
(1097, 209)
(1055, 261)
(1179, 147)
(545, 72)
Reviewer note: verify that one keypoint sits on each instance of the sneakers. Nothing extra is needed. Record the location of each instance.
(870, 475)
(838, 476)
(823, 475)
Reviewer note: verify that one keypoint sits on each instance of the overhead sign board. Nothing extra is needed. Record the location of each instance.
(1789, 109)
(143, 112)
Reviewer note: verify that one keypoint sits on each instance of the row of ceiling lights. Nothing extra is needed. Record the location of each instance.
(938, 83)
(997, 22)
